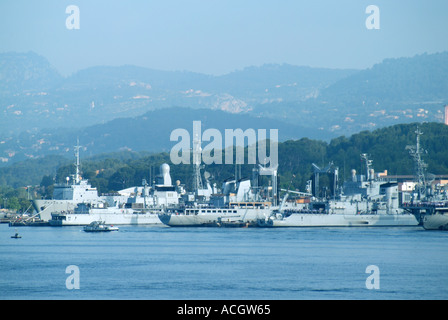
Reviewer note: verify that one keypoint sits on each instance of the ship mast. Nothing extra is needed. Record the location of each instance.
(77, 147)
(197, 151)
(419, 165)
(365, 157)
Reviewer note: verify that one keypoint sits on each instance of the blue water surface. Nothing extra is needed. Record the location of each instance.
(161, 263)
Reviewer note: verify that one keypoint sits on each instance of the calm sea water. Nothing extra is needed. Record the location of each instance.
(223, 264)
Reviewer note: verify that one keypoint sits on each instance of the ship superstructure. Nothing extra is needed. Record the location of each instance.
(132, 206)
(76, 202)
(365, 200)
(67, 195)
(238, 204)
(429, 205)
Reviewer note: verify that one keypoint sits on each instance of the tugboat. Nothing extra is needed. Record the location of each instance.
(99, 226)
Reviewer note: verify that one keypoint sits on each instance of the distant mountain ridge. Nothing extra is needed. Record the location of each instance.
(34, 96)
(148, 132)
(21, 72)
(418, 79)
(395, 91)
(42, 112)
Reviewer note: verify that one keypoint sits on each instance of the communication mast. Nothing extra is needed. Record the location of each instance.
(77, 147)
(369, 162)
(197, 152)
(419, 165)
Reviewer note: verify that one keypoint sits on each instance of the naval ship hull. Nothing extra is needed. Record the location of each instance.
(119, 217)
(223, 218)
(341, 220)
(45, 208)
(436, 221)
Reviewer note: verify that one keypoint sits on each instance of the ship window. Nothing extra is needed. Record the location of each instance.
(219, 211)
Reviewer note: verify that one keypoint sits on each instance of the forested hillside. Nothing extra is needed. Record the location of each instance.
(386, 147)
(116, 108)
(112, 172)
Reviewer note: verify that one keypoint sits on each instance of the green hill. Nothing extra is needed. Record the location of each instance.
(386, 147)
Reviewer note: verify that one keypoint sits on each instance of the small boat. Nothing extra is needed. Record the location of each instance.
(99, 226)
(16, 236)
(112, 228)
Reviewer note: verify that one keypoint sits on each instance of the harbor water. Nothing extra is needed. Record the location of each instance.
(162, 263)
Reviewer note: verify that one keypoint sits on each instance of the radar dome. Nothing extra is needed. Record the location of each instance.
(164, 168)
(165, 173)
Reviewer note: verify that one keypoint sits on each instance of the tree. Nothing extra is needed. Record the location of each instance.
(47, 181)
(13, 204)
(122, 179)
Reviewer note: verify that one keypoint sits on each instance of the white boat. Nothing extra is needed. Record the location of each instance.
(99, 226)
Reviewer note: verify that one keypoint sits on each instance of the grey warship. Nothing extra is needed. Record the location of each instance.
(364, 201)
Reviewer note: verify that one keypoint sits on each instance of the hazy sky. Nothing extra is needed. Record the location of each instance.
(220, 36)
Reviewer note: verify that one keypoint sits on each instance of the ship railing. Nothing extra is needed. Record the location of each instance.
(288, 212)
(437, 204)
